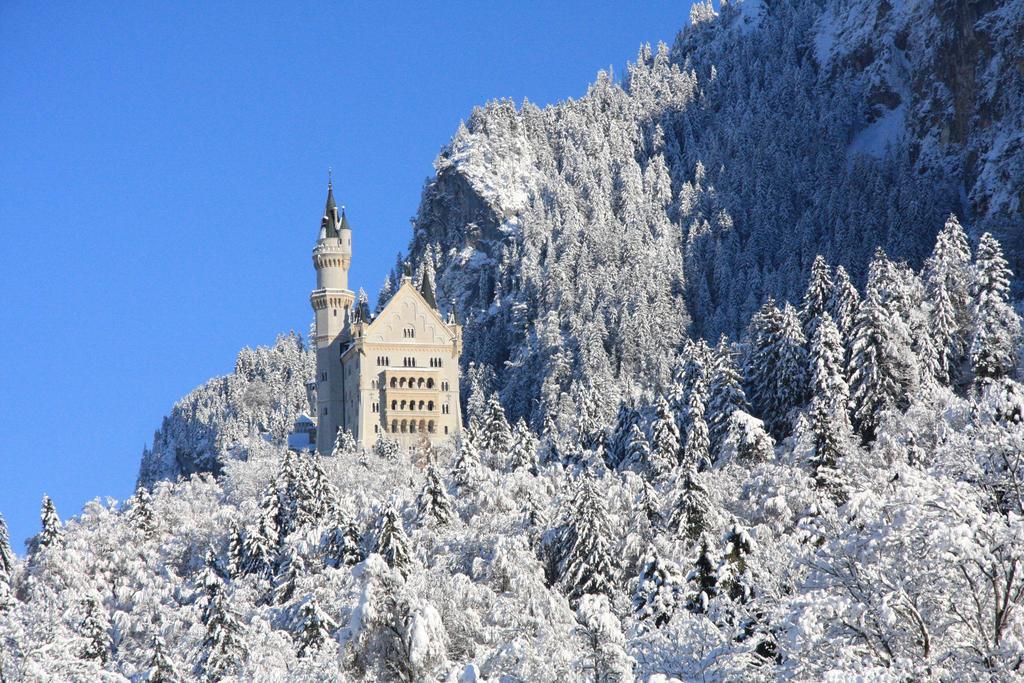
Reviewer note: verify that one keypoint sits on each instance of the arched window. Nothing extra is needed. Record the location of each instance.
(402, 383)
(394, 382)
(430, 405)
(421, 405)
(423, 425)
(430, 426)
(430, 383)
(403, 405)
(394, 405)
(409, 332)
(419, 383)
(412, 426)
(394, 426)
(405, 426)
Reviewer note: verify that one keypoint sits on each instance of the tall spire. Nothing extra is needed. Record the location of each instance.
(427, 288)
(331, 206)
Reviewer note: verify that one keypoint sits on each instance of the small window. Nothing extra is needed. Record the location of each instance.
(335, 312)
(376, 429)
(446, 429)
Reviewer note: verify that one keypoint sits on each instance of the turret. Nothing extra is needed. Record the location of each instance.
(333, 254)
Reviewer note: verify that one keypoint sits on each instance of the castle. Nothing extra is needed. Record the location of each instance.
(394, 375)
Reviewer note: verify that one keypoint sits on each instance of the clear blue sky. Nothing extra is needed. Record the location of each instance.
(162, 176)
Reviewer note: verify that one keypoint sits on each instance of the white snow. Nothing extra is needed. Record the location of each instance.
(883, 133)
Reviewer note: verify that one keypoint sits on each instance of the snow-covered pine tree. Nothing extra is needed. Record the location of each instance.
(495, 434)
(141, 512)
(696, 453)
(725, 394)
(52, 530)
(659, 591)
(828, 378)
(387, 290)
(270, 516)
(290, 569)
(733, 575)
(996, 327)
(665, 451)
(637, 452)
(692, 505)
(314, 626)
(607, 661)
(323, 494)
(761, 359)
(6, 554)
(587, 563)
(340, 546)
(829, 439)
(817, 297)
(947, 287)
(879, 371)
(703, 579)
(259, 549)
(434, 503)
(236, 546)
(523, 453)
(162, 668)
(615, 453)
(224, 643)
(466, 470)
(392, 541)
(344, 444)
(95, 629)
(790, 387)
(844, 303)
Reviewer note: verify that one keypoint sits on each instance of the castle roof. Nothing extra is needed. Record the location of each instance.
(427, 290)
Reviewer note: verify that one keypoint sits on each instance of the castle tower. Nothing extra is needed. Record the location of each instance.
(332, 304)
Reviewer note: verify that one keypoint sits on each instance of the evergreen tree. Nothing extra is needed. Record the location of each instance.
(692, 506)
(495, 434)
(696, 453)
(434, 501)
(703, 579)
(879, 375)
(141, 512)
(775, 366)
(52, 530)
(587, 564)
(607, 661)
(6, 554)
(665, 442)
(947, 287)
(224, 644)
(725, 394)
(659, 589)
(615, 454)
(733, 575)
(95, 629)
(323, 495)
(523, 454)
(637, 450)
(258, 550)
(824, 463)
(340, 545)
(392, 542)
(844, 303)
(289, 570)
(466, 470)
(271, 516)
(344, 444)
(791, 371)
(828, 379)
(162, 668)
(817, 297)
(235, 552)
(314, 626)
(387, 291)
(996, 329)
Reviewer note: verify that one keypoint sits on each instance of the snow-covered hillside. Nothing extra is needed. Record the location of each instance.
(593, 231)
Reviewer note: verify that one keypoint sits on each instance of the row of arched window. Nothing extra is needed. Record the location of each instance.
(411, 426)
(383, 360)
(412, 383)
(412, 405)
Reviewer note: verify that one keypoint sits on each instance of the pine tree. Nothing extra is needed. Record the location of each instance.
(344, 444)
(947, 283)
(6, 554)
(791, 370)
(828, 379)
(314, 626)
(665, 442)
(996, 328)
(434, 502)
(703, 580)
(844, 303)
(725, 394)
(258, 550)
(289, 570)
(223, 645)
(607, 661)
(692, 505)
(236, 546)
(879, 377)
(817, 297)
(696, 453)
(162, 668)
(271, 516)
(392, 542)
(495, 434)
(340, 545)
(824, 464)
(775, 366)
(141, 512)
(387, 290)
(323, 495)
(659, 589)
(523, 454)
(466, 470)
(733, 575)
(95, 629)
(637, 450)
(587, 564)
(52, 530)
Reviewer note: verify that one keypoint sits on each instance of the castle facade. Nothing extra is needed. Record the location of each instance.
(394, 375)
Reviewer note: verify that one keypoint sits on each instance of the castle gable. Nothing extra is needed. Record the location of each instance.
(408, 312)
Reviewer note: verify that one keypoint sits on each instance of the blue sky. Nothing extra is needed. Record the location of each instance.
(162, 176)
